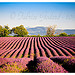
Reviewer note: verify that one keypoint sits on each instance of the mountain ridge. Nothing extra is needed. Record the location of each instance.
(42, 30)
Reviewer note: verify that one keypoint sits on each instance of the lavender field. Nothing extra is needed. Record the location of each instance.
(37, 54)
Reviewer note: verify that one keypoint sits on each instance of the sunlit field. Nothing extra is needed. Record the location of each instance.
(37, 54)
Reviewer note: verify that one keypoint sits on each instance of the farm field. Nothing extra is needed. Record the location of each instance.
(26, 49)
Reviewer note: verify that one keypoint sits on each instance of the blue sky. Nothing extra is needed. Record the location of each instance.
(32, 14)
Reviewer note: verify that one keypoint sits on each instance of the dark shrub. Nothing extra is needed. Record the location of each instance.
(63, 34)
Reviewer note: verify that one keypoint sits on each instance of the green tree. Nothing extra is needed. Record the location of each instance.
(0, 27)
(20, 30)
(3, 31)
(0, 30)
(71, 35)
(9, 30)
(63, 34)
(6, 27)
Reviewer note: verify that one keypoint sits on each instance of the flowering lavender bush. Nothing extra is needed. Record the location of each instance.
(12, 65)
(68, 62)
(46, 65)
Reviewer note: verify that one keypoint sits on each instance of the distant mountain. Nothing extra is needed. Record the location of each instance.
(42, 31)
(37, 30)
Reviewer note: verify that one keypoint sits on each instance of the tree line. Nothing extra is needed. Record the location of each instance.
(21, 31)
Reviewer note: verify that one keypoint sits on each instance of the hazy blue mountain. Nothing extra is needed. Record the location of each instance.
(42, 31)
(37, 30)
